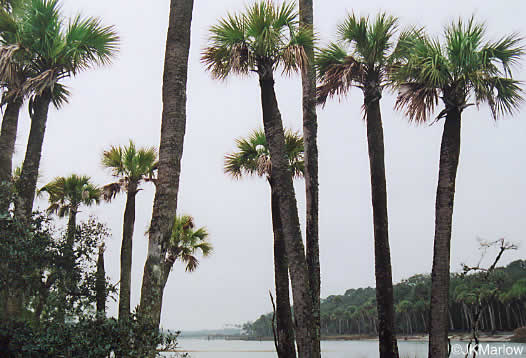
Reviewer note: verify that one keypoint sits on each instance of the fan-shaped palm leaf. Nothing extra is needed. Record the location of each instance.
(253, 156)
(265, 33)
(186, 242)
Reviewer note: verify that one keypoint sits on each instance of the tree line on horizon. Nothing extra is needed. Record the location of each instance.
(39, 49)
(354, 312)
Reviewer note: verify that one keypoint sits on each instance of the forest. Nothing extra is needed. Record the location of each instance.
(354, 313)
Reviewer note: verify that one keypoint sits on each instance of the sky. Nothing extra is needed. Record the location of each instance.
(113, 104)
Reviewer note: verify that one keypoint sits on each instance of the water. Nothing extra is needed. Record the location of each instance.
(201, 348)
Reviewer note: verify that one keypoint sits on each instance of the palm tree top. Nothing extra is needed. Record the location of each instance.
(465, 67)
(186, 241)
(360, 56)
(266, 34)
(130, 164)
(253, 156)
(50, 48)
(68, 193)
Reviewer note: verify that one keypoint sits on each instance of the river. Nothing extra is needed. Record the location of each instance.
(202, 348)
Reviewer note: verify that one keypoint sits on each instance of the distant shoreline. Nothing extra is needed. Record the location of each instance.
(498, 337)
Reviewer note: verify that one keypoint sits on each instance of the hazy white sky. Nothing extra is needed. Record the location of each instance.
(111, 105)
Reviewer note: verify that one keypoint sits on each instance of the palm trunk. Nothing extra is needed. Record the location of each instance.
(284, 324)
(26, 185)
(289, 212)
(449, 156)
(126, 252)
(8, 138)
(310, 134)
(170, 152)
(68, 254)
(382, 254)
(100, 285)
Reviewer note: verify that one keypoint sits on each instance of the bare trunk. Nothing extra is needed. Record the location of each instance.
(310, 133)
(126, 252)
(170, 152)
(284, 326)
(8, 138)
(289, 213)
(382, 254)
(449, 156)
(100, 285)
(26, 185)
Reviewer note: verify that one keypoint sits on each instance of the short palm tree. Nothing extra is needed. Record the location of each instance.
(184, 245)
(464, 70)
(262, 39)
(253, 158)
(67, 194)
(361, 60)
(50, 50)
(131, 166)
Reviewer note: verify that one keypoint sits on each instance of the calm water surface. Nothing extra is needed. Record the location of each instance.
(200, 348)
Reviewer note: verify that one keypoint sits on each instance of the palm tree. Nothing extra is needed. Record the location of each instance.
(253, 158)
(184, 244)
(66, 195)
(50, 51)
(463, 71)
(132, 166)
(261, 40)
(170, 152)
(12, 75)
(370, 42)
(310, 133)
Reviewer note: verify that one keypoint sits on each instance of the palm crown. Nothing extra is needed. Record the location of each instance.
(186, 241)
(130, 164)
(253, 156)
(68, 193)
(360, 57)
(464, 66)
(265, 37)
(48, 50)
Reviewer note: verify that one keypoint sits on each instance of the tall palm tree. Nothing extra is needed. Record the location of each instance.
(361, 61)
(131, 166)
(464, 70)
(310, 134)
(12, 76)
(261, 40)
(253, 158)
(51, 50)
(173, 128)
(184, 244)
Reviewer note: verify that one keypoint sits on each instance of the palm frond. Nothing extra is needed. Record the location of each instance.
(264, 33)
(72, 191)
(130, 163)
(110, 191)
(507, 51)
(87, 42)
(462, 67)
(418, 100)
(338, 72)
(228, 50)
(185, 242)
(253, 155)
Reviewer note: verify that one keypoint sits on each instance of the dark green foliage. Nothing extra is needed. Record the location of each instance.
(354, 312)
(48, 301)
(87, 338)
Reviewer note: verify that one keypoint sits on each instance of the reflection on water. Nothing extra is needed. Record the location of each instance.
(200, 348)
